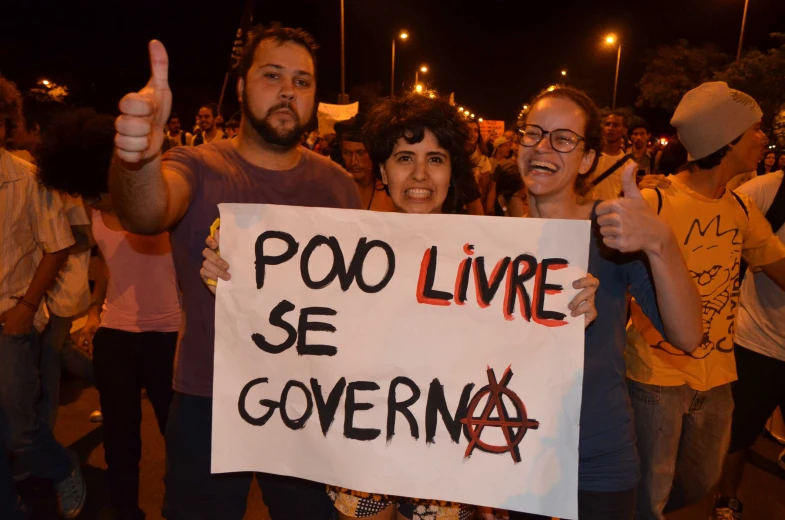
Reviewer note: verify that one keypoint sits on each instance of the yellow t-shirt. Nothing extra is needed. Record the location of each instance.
(713, 235)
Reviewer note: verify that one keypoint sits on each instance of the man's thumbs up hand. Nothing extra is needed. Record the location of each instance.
(143, 114)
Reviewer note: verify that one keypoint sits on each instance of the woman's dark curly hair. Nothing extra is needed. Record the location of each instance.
(592, 133)
(10, 106)
(75, 153)
(408, 118)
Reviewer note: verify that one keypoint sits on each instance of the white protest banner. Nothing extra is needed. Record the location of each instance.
(339, 112)
(427, 356)
(491, 128)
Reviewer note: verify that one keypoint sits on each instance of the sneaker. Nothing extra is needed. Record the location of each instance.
(97, 416)
(727, 508)
(781, 460)
(71, 493)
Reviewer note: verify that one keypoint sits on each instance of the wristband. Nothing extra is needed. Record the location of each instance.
(21, 300)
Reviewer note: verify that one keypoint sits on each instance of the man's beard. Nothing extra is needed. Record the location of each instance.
(286, 139)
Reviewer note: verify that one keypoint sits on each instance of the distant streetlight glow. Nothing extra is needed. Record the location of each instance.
(423, 69)
(564, 73)
(612, 39)
(526, 107)
(480, 120)
(551, 88)
(472, 116)
(460, 109)
(418, 88)
(45, 82)
(403, 35)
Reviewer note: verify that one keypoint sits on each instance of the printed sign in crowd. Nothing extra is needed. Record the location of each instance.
(427, 356)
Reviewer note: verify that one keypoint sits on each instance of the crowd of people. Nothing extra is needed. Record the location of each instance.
(684, 352)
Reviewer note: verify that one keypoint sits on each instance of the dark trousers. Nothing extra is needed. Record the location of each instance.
(125, 363)
(598, 505)
(192, 493)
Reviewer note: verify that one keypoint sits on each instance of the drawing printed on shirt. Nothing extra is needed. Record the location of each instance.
(713, 262)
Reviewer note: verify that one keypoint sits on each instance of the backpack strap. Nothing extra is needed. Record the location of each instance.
(607, 173)
(659, 200)
(741, 203)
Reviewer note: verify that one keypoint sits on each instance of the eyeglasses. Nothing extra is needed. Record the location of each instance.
(562, 140)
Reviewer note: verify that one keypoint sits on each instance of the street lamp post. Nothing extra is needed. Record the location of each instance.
(743, 23)
(402, 36)
(610, 40)
(343, 60)
(422, 69)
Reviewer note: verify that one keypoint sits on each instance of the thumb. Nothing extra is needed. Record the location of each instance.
(159, 66)
(628, 184)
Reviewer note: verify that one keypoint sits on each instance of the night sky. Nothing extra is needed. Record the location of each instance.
(494, 54)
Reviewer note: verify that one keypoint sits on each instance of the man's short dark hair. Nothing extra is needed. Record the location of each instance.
(350, 130)
(714, 159)
(618, 113)
(10, 106)
(637, 122)
(172, 116)
(408, 118)
(280, 34)
(75, 153)
(212, 107)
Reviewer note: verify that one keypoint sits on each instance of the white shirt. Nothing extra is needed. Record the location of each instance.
(610, 187)
(483, 164)
(32, 222)
(70, 294)
(760, 321)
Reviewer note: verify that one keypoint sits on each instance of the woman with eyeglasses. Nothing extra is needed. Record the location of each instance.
(561, 140)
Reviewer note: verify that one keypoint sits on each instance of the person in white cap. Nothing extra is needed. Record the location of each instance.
(683, 402)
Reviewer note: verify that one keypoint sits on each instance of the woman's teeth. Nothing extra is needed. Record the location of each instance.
(542, 167)
(418, 193)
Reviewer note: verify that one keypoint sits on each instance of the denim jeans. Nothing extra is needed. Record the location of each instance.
(683, 436)
(27, 436)
(58, 352)
(192, 493)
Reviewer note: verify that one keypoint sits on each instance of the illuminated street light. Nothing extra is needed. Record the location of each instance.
(526, 107)
(418, 88)
(564, 73)
(422, 69)
(480, 120)
(45, 82)
(403, 36)
(432, 95)
(460, 109)
(472, 116)
(612, 39)
(551, 88)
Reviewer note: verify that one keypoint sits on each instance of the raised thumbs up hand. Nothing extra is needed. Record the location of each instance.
(629, 223)
(628, 185)
(143, 114)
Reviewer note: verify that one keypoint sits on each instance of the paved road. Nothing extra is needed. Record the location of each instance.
(763, 491)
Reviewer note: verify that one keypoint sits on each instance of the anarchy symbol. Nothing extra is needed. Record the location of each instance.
(473, 426)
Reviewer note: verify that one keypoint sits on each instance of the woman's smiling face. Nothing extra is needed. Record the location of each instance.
(544, 170)
(418, 175)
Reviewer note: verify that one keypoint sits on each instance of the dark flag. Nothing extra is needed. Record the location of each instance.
(241, 37)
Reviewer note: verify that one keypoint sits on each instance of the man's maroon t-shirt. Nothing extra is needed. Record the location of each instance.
(217, 173)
